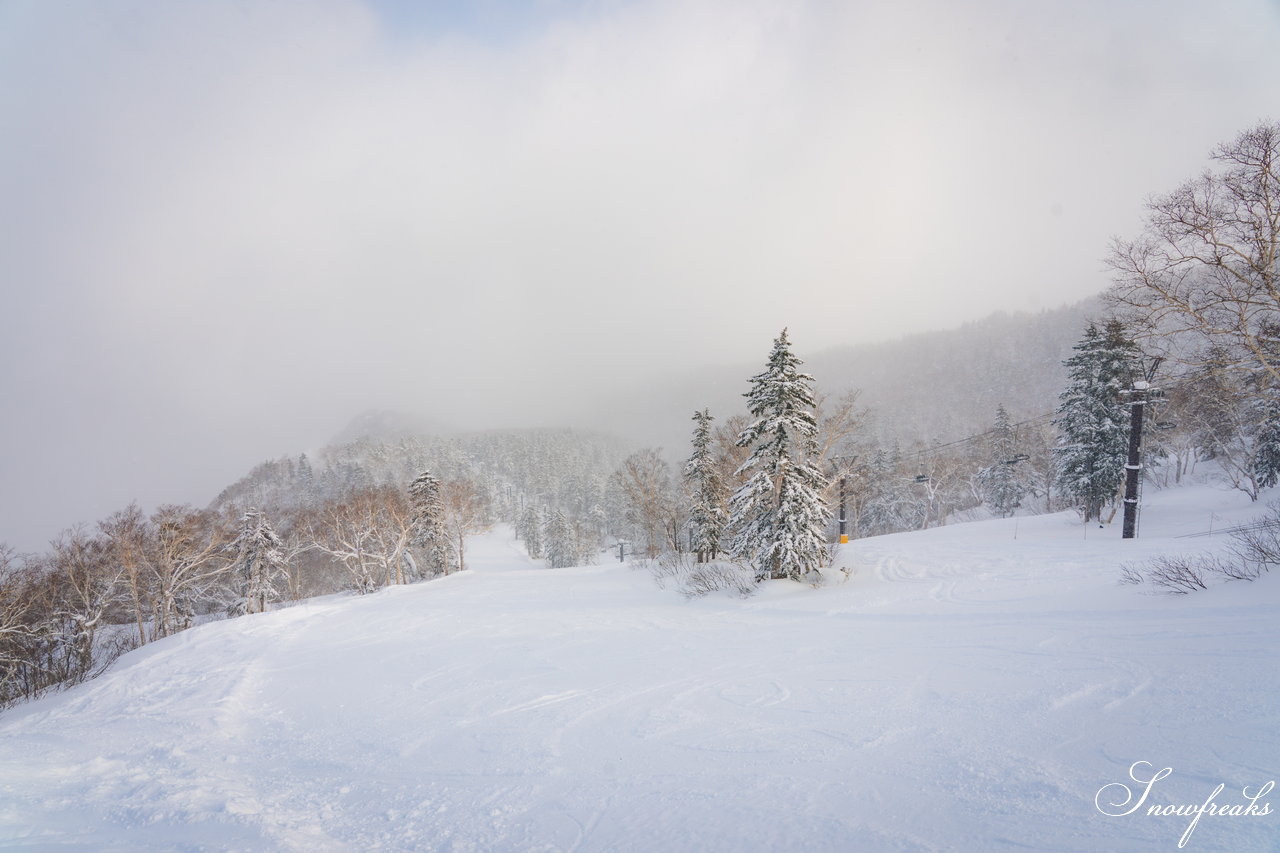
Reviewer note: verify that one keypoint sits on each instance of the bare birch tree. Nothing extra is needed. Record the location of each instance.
(648, 501)
(1206, 264)
(126, 531)
(466, 512)
(89, 585)
(188, 558)
(346, 531)
(16, 630)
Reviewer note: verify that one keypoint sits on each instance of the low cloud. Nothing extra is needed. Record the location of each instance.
(230, 227)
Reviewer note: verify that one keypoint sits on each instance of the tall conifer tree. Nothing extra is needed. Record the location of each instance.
(779, 517)
(529, 529)
(1266, 449)
(430, 536)
(259, 563)
(1093, 417)
(561, 547)
(1002, 491)
(707, 516)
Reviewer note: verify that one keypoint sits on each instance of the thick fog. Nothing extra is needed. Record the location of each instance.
(227, 228)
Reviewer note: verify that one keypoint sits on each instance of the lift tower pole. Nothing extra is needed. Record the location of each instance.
(1139, 395)
(1133, 466)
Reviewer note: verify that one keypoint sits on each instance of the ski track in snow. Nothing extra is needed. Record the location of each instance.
(965, 690)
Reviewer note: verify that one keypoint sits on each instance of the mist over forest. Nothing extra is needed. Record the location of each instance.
(230, 229)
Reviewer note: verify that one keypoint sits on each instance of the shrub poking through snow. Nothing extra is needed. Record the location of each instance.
(1254, 550)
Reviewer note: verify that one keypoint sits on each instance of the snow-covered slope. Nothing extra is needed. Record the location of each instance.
(964, 690)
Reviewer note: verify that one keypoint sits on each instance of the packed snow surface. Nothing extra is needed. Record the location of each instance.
(969, 688)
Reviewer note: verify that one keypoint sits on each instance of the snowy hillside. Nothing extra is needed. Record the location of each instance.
(969, 688)
(939, 385)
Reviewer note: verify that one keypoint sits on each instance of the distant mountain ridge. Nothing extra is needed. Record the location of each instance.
(924, 387)
(387, 425)
(929, 386)
(946, 384)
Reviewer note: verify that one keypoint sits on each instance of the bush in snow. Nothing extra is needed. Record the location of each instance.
(692, 579)
(1254, 550)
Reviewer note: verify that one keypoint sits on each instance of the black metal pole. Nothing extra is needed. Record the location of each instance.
(844, 524)
(1133, 467)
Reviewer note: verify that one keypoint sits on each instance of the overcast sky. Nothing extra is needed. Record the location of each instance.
(228, 227)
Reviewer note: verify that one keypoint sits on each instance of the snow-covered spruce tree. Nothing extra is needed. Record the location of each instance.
(259, 563)
(1266, 449)
(1264, 414)
(1093, 417)
(431, 538)
(886, 502)
(305, 488)
(707, 513)
(586, 544)
(530, 531)
(598, 521)
(778, 518)
(562, 550)
(1002, 491)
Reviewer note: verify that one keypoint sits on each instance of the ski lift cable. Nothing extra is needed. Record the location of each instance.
(1035, 420)
(1241, 528)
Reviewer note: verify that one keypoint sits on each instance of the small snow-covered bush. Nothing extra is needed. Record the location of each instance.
(705, 578)
(694, 580)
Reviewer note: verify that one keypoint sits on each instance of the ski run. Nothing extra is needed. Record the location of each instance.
(977, 687)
